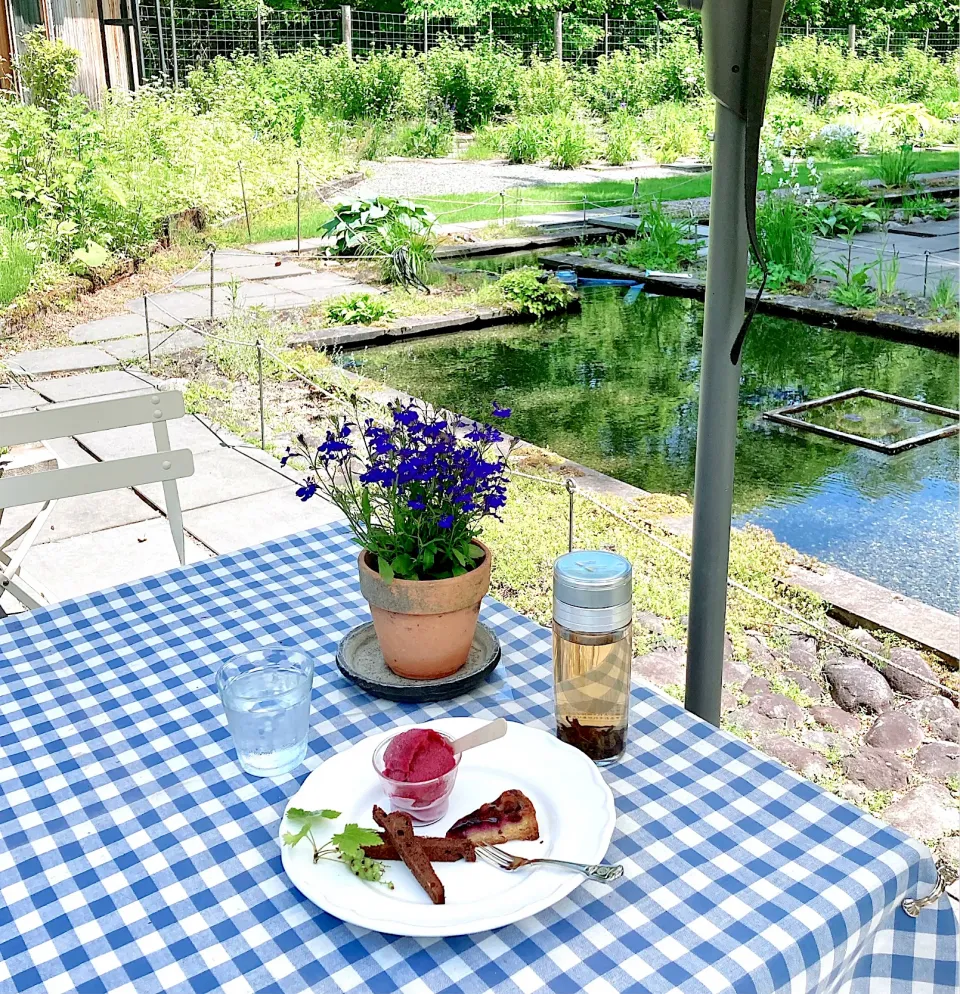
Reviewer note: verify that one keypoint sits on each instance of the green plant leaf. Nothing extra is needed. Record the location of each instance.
(385, 569)
(353, 838)
(300, 815)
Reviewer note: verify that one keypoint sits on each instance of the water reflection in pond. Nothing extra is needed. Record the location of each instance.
(615, 388)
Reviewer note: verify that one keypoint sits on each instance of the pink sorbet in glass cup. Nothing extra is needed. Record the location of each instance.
(418, 769)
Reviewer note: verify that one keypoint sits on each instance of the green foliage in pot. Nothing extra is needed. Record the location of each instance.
(414, 487)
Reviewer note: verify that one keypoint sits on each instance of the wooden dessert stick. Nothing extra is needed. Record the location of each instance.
(398, 829)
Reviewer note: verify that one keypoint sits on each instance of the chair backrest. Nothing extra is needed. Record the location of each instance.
(79, 419)
(163, 466)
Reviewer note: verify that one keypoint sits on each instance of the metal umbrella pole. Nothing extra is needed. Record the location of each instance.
(738, 41)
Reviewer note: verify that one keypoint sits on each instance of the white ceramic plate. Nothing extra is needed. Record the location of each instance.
(574, 809)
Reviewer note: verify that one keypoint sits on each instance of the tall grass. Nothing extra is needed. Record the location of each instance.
(17, 265)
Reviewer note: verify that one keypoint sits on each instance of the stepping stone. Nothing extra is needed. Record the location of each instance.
(221, 475)
(64, 360)
(92, 385)
(87, 563)
(894, 730)
(262, 517)
(163, 344)
(106, 329)
(14, 398)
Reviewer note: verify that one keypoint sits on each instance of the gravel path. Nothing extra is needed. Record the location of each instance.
(427, 177)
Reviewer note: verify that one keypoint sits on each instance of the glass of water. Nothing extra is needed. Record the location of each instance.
(266, 694)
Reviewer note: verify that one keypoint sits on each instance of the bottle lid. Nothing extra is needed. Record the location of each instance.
(592, 591)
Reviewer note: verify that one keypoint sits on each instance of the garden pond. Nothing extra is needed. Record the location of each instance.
(615, 388)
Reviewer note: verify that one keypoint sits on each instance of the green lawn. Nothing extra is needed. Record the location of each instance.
(280, 222)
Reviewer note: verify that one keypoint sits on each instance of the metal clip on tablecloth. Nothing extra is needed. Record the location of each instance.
(945, 877)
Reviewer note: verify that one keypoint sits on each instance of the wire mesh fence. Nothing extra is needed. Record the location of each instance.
(178, 36)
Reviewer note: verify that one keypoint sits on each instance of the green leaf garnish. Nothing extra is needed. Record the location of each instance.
(347, 845)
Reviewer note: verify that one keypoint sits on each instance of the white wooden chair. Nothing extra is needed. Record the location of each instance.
(164, 466)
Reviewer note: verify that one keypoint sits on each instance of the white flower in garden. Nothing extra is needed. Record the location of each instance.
(768, 167)
(811, 162)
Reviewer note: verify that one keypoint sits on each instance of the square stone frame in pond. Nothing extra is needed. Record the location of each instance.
(785, 415)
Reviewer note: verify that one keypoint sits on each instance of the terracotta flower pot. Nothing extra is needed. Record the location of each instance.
(425, 627)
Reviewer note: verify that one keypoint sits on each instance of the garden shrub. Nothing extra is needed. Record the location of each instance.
(807, 67)
(475, 84)
(47, 68)
(672, 130)
(619, 79)
(525, 140)
(791, 125)
(661, 242)
(623, 136)
(675, 74)
(426, 139)
(569, 141)
(785, 235)
(488, 142)
(545, 87)
(532, 291)
(357, 308)
(839, 141)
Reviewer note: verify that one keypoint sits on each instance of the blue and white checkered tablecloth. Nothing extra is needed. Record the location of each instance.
(136, 857)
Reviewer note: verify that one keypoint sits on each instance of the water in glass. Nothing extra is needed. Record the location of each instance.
(266, 695)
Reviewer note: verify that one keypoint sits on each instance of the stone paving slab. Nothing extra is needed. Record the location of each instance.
(171, 309)
(262, 517)
(87, 563)
(281, 301)
(315, 281)
(14, 398)
(106, 329)
(267, 270)
(72, 358)
(288, 246)
(185, 433)
(89, 386)
(163, 343)
(221, 475)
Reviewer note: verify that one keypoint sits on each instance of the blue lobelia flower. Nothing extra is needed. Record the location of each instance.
(446, 521)
(500, 412)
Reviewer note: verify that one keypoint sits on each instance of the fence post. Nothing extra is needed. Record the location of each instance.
(490, 25)
(570, 487)
(263, 424)
(259, 32)
(298, 206)
(852, 38)
(926, 40)
(161, 47)
(606, 34)
(346, 26)
(213, 252)
(926, 269)
(808, 28)
(889, 30)
(426, 31)
(173, 45)
(146, 321)
(658, 38)
(558, 35)
(243, 193)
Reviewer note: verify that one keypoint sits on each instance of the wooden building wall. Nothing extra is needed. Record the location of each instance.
(77, 24)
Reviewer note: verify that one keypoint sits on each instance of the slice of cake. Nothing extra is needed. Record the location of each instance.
(510, 818)
(398, 830)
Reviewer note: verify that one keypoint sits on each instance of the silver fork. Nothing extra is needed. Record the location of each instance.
(504, 861)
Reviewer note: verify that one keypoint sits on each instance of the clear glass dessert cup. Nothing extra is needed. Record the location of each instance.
(426, 801)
